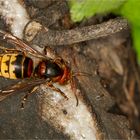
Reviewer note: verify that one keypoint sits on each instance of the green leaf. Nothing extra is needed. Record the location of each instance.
(87, 8)
(131, 11)
(136, 40)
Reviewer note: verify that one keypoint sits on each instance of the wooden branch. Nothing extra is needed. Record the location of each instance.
(67, 37)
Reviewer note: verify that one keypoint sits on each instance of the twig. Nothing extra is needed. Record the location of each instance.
(67, 37)
(128, 96)
(135, 70)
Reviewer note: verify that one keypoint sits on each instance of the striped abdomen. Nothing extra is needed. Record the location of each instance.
(15, 66)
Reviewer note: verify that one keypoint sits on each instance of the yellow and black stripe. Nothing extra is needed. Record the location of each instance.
(15, 66)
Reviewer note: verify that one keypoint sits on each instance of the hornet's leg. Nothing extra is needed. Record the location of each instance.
(51, 86)
(26, 96)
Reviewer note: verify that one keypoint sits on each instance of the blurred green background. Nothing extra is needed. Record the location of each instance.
(129, 9)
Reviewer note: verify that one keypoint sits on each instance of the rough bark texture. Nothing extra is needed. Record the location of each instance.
(83, 57)
(66, 37)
